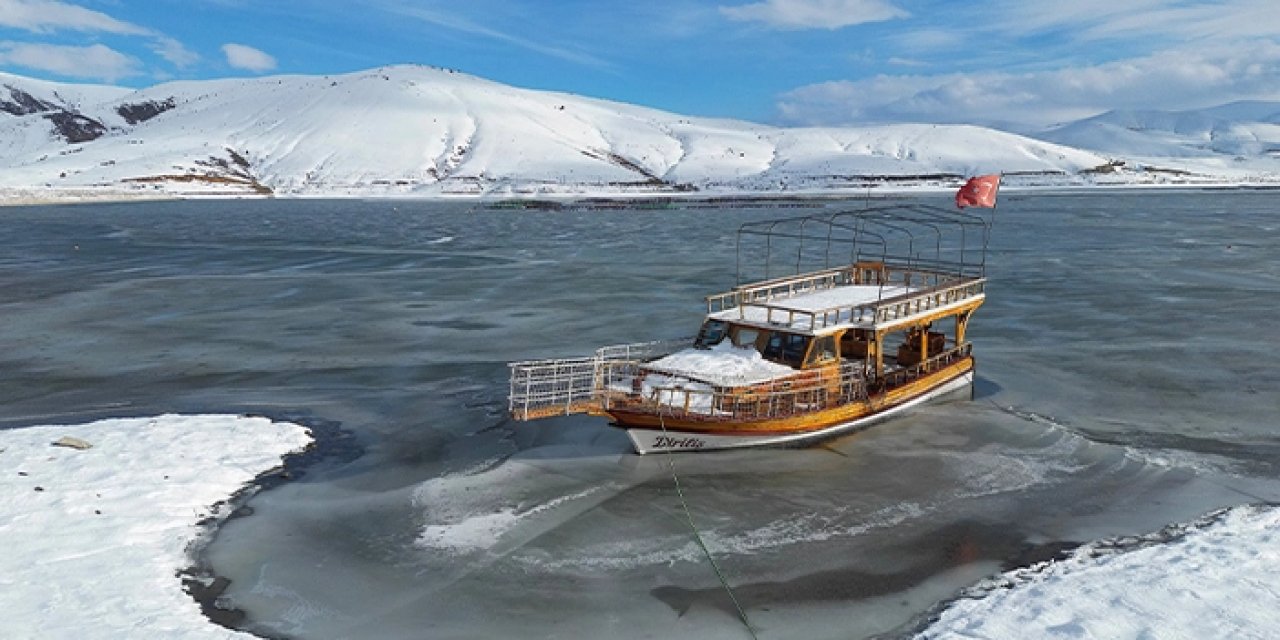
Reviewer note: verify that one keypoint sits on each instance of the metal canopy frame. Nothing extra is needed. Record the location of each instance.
(916, 237)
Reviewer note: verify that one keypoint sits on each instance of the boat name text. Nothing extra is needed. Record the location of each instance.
(667, 442)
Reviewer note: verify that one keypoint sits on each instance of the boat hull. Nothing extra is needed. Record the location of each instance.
(665, 436)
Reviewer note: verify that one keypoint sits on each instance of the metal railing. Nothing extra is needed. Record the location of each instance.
(564, 386)
(919, 302)
(780, 288)
(949, 290)
(803, 392)
(643, 350)
(544, 388)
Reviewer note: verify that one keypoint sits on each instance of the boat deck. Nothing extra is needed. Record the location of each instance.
(835, 299)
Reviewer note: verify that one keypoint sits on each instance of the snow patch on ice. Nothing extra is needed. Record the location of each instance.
(94, 538)
(485, 507)
(670, 550)
(1196, 462)
(1214, 578)
(481, 531)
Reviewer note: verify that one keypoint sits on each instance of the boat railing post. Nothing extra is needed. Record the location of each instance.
(528, 389)
(569, 378)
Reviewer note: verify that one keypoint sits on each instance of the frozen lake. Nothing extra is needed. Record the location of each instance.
(1123, 376)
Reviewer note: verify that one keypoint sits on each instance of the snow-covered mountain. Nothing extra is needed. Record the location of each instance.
(412, 130)
(1235, 139)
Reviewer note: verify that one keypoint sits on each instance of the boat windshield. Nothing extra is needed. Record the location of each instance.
(776, 346)
(713, 331)
(786, 348)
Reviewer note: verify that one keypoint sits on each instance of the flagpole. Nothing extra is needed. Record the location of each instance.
(979, 192)
(995, 204)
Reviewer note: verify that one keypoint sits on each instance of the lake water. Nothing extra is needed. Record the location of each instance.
(1125, 382)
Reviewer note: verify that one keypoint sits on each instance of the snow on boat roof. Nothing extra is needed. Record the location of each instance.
(845, 298)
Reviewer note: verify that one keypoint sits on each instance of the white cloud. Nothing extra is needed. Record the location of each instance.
(1178, 55)
(175, 52)
(814, 14)
(241, 56)
(1095, 20)
(920, 41)
(49, 16)
(1174, 79)
(97, 62)
(463, 25)
(46, 16)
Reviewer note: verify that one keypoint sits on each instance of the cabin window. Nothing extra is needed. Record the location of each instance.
(824, 351)
(745, 337)
(712, 333)
(786, 348)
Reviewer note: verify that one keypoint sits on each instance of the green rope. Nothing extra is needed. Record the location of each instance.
(697, 537)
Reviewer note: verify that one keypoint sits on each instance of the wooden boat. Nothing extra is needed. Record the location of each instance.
(794, 359)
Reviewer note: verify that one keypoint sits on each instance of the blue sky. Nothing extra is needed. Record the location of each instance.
(1016, 63)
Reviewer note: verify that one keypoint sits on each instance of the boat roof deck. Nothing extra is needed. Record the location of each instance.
(849, 295)
(845, 300)
(848, 305)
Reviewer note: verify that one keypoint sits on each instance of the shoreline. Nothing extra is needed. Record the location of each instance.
(35, 197)
(199, 578)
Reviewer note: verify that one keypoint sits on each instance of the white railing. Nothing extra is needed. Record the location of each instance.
(803, 392)
(877, 312)
(551, 387)
(545, 388)
(919, 302)
(542, 388)
(642, 350)
(779, 288)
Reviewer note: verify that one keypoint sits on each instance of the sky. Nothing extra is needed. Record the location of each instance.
(1022, 65)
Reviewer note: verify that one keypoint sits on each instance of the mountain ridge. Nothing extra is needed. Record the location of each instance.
(412, 130)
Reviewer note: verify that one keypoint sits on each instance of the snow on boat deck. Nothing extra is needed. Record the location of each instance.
(723, 365)
(94, 538)
(687, 379)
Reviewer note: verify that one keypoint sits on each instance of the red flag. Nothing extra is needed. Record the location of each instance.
(979, 191)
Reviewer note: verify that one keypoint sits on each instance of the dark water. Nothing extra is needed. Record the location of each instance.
(1125, 383)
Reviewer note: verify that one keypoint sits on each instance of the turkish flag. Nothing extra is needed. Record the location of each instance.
(979, 191)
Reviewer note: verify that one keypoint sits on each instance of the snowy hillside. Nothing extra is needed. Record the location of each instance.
(1238, 139)
(411, 130)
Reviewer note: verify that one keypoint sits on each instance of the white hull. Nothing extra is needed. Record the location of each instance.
(657, 440)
